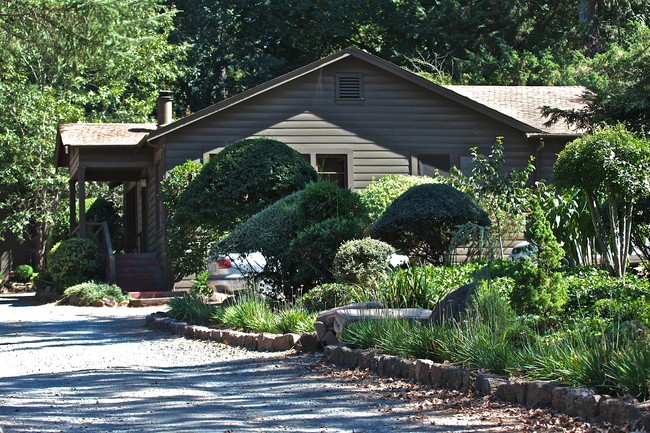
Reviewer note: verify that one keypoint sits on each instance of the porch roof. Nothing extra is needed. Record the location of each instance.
(98, 135)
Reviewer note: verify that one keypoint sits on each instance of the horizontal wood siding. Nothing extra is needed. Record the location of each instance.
(395, 119)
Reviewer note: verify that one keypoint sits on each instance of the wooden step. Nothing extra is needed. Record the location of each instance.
(138, 272)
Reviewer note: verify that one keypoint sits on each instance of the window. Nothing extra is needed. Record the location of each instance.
(333, 168)
(349, 88)
(429, 164)
(466, 162)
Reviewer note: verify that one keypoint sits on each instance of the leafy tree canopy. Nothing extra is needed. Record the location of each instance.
(65, 61)
(611, 165)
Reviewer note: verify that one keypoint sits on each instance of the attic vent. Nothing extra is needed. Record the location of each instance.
(348, 87)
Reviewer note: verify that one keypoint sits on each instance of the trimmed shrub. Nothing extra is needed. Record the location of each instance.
(187, 246)
(240, 181)
(422, 221)
(539, 290)
(74, 261)
(380, 193)
(326, 296)
(269, 232)
(23, 273)
(361, 260)
(327, 216)
(322, 200)
(316, 247)
(91, 291)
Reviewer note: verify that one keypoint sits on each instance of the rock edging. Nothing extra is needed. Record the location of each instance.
(306, 342)
(577, 402)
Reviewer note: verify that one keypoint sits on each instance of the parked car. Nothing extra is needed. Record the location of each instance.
(523, 250)
(233, 273)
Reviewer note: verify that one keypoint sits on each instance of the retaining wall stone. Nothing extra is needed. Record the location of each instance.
(576, 401)
(581, 402)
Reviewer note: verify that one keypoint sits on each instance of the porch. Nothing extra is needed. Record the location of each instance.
(118, 155)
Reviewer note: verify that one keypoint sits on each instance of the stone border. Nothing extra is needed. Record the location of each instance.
(576, 402)
(306, 342)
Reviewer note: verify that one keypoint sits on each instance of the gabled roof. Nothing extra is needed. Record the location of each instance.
(524, 113)
(525, 103)
(99, 134)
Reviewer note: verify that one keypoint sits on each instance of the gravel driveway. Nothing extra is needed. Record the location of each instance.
(69, 369)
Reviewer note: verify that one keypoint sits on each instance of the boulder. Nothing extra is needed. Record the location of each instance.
(454, 304)
(309, 342)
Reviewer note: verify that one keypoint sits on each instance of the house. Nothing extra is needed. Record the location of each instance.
(354, 116)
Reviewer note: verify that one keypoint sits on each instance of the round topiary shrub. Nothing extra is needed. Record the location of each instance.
(326, 296)
(23, 273)
(422, 221)
(323, 200)
(361, 260)
(240, 181)
(316, 247)
(74, 261)
(380, 193)
(269, 232)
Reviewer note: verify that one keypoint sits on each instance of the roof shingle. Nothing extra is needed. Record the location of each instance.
(104, 134)
(525, 103)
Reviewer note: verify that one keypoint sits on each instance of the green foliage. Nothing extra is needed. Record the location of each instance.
(539, 233)
(416, 286)
(327, 216)
(611, 165)
(617, 83)
(322, 200)
(317, 244)
(91, 291)
(404, 338)
(43, 279)
(502, 194)
(571, 224)
(380, 193)
(614, 362)
(269, 232)
(256, 315)
(327, 296)
(200, 287)
(360, 261)
(240, 181)
(23, 273)
(70, 61)
(186, 245)
(594, 294)
(537, 291)
(299, 235)
(421, 222)
(191, 309)
(74, 261)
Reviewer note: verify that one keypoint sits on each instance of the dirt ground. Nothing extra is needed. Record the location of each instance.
(74, 369)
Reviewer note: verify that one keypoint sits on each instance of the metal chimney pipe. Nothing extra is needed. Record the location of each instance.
(164, 108)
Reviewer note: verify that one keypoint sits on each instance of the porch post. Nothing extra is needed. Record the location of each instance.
(82, 201)
(73, 204)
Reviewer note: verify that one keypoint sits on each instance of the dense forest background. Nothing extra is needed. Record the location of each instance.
(236, 44)
(104, 60)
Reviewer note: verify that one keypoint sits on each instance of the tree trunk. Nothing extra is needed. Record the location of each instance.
(588, 16)
(39, 245)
